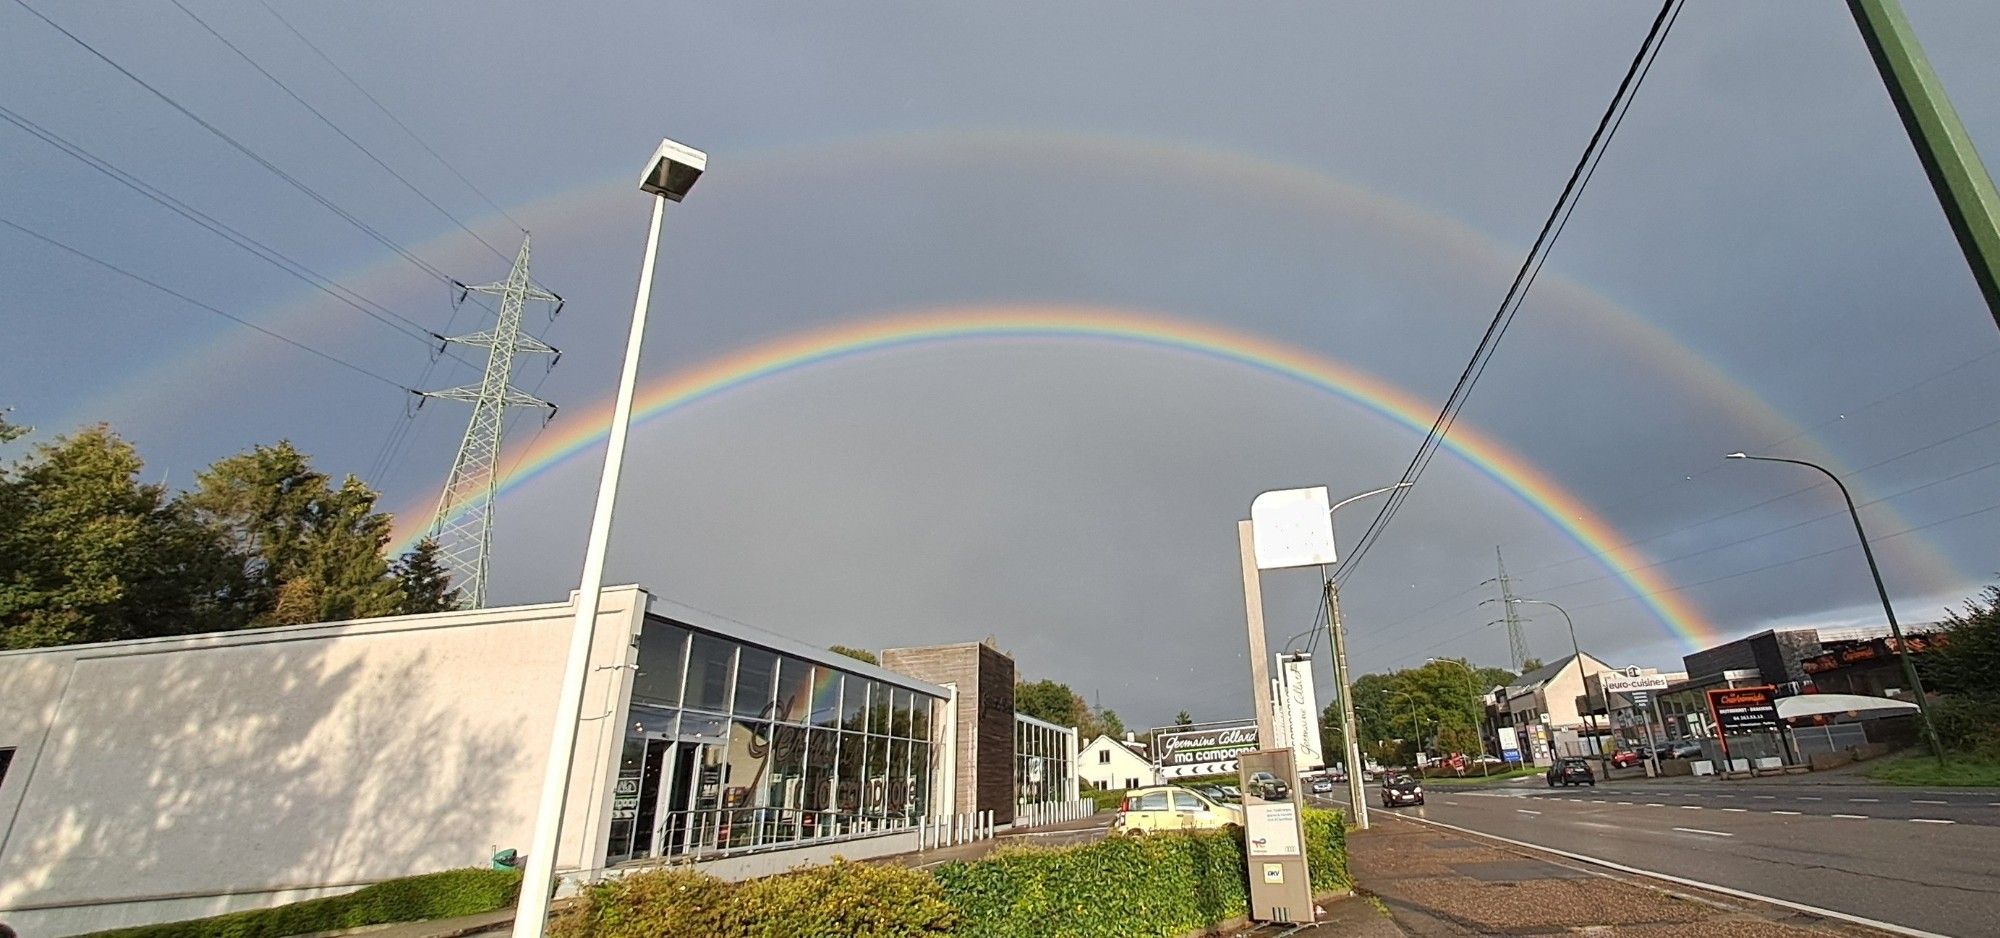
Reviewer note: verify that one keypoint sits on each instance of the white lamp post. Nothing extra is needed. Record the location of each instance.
(669, 175)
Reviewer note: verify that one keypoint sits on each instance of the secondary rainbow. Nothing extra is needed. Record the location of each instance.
(1064, 323)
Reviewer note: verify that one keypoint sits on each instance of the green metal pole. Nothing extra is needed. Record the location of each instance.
(1960, 179)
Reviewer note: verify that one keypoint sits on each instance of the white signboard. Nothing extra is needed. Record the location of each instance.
(1626, 685)
(1273, 830)
(1302, 715)
(1292, 528)
(1189, 753)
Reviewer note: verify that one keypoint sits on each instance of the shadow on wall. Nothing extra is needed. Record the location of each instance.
(253, 769)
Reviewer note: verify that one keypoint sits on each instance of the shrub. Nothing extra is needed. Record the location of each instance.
(666, 903)
(411, 899)
(1107, 800)
(1326, 850)
(841, 899)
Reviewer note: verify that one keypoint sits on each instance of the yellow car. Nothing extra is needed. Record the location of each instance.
(1171, 808)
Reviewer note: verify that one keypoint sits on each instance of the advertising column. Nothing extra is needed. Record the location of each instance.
(1274, 838)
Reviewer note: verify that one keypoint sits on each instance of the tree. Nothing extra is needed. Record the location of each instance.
(1049, 700)
(1182, 719)
(313, 552)
(89, 554)
(1963, 663)
(857, 654)
(1531, 664)
(1102, 722)
(1332, 745)
(423, 582)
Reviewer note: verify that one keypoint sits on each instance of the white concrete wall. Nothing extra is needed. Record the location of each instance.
(164, 779)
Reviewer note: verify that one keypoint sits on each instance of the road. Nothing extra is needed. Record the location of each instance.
(1928, 860)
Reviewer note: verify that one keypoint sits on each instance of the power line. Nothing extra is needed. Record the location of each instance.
(390, 114)
(78, 252)
(344, 135)
(1558, 218)
(237, 145)
(265, 252)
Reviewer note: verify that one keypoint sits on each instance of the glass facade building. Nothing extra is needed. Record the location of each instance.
(738, 739)
(1043, 767)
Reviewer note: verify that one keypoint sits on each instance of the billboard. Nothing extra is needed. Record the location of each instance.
(1209, 751)
(1742, 709)
(1510, 745)
(1292, 528)
(1640, 683)
(1301, 712)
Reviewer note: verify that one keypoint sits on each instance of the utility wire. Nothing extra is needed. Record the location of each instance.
(239, 147)
(265, 252)
(391, 115)
(107, 265)
(336, 128)
(1551, 229)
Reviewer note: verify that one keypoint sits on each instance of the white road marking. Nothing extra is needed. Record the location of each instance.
(1922, 801)
(1785, 812)
(1626, 803)
(1890, 927)
(1525, 811)
(1725, 796)
(1697, 830)
(1690, 807)
(1736, 810)
(1654, 804)
(1765, 797)
(1601, 801)
(1864, 800)
(1811, 798)
(1931, 820)
(1853, 817)
(1452, 803)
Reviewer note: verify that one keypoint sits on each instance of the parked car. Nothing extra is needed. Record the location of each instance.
(1399, 789)
(1169, 808)
(1625, 758)
(1680, 750)
(1323, 786)
(1230, 793)
(1214, 792)
(1571, 771)
(1269, 787)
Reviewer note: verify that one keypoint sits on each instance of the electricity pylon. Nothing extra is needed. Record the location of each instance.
(463, 526)
(1517, 641)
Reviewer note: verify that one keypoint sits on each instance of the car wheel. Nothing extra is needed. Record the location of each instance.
(1420, 802)
(1552, 782)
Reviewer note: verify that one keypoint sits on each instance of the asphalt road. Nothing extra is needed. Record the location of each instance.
(1928, 860)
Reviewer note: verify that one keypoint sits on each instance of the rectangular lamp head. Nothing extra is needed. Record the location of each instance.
(672, 170)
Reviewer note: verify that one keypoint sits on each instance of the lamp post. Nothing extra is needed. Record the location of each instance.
(1896, 629)
(669, 175)
(1338, 629)
(1590, 718)
(1478, 721)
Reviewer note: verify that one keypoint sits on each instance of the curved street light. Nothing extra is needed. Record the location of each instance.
(1895, 628)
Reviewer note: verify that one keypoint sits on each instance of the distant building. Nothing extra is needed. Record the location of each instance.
(1634, 719)
(1543, 703)
(1108, 764)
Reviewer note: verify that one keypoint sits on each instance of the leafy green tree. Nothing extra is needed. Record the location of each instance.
(1103, 721)
(1964, 665)
(1531, 664)
(89, 554)
(1049, 700)
(313, 550)
(857, 654)
(1182, 719)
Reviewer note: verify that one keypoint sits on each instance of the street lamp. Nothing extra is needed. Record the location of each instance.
(1896, 629)
(1577, 650)
(1478, 721)
(669, 175)
(1348, 725)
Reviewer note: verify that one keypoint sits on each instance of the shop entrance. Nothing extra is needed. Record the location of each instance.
(658, 806)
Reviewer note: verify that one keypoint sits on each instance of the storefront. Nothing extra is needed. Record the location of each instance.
(1044, 761)
(742, 740)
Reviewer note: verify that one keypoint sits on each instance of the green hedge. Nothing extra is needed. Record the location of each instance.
(1163, 885)
(1105, 800)
(413, 899)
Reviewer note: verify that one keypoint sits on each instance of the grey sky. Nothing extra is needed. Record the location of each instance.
(1760, 208)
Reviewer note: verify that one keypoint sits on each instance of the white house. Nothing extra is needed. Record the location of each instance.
(1108, 764)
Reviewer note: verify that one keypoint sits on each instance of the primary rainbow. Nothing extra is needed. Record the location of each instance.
(1070, 323)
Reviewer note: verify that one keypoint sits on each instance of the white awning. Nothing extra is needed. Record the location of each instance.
(1809, 705)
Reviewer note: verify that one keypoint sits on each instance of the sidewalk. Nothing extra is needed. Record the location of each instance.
(1437, 883)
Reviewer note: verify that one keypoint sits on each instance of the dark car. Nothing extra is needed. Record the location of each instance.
(1400, 789)
(1571, 772)
(1269, 787)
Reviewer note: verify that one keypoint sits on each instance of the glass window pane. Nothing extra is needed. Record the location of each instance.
(788, 766)
(920, 718)
(709, 663)
(877, 796)
(743, 768)
(878, 708)
(853, 755)
(821, 748)
(853, 702)
(795, 687)
(826, 697)
(1153, 801)
(662, 653)
(756, 669)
